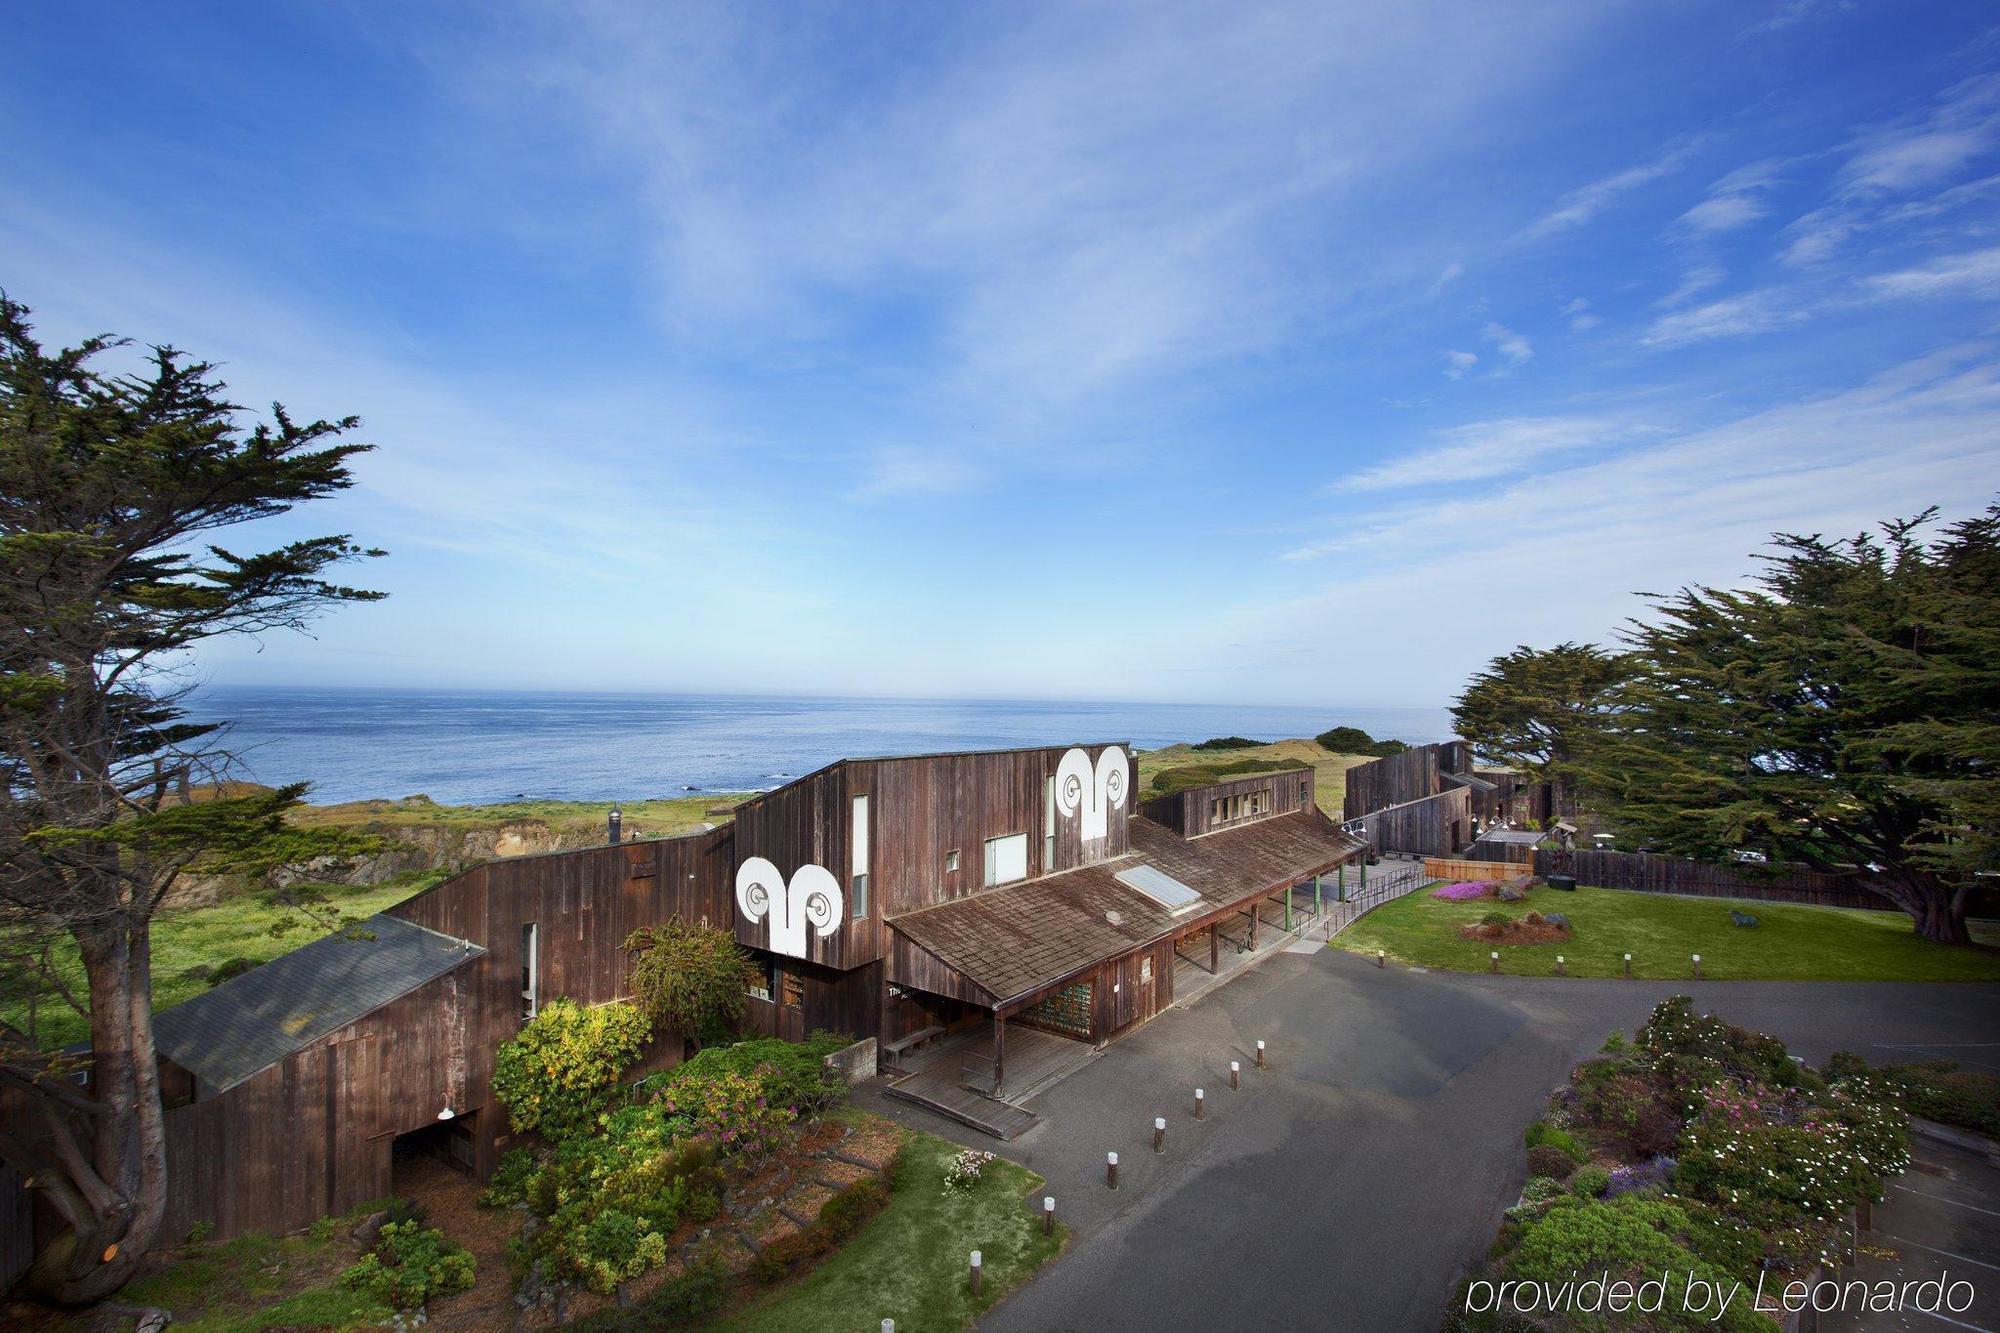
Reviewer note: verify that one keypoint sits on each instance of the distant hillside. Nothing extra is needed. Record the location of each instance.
(1330, 785)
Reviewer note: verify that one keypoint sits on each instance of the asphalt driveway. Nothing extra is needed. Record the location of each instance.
(1351, 1183)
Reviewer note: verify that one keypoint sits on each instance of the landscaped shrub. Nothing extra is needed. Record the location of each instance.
(682, 1301)
(557, 1075)
(964, 1170)
(1548, 1160)
(793, 1073)
(689, 977)
(731, 1111)
(1588, 1182)
(1941, 1091)
(1543, 1134)
(1496, 919)
(1634, 1238)
(1464, 891)
(409, 1265)
(1650, 1174)
(512, 1176)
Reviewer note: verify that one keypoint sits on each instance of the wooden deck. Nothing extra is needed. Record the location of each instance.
(1036, 1061)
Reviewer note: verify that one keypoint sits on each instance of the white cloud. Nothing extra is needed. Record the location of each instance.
(896, 472)
(1580, 205)
(1456, 363)
(1973, 274)
(1736, 200)
(1492, 449)
(1695, 281)
(1508, 343)
(1452, 273)
(1732, 317)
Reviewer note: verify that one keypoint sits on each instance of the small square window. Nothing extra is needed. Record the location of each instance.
(760, 979)
(951, 862)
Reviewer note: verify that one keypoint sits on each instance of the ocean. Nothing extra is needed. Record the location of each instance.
(471, 746)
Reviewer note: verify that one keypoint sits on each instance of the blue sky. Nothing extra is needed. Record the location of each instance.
(1303, 353)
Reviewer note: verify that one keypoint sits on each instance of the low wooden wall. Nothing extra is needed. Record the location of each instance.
(1442, 867)
(1438, 825)
(1641, 872)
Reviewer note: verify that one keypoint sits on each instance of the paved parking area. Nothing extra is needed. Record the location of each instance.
(1940, 1224)
(1350, 1184)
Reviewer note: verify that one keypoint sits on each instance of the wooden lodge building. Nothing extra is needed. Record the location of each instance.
(969, 895)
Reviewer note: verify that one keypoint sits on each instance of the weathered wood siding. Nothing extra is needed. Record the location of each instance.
(1435, 826)
(1641, 872)
(1397, 780)
(1190, 813)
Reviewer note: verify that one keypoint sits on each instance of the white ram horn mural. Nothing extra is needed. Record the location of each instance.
(813, 898)
(1095, 791)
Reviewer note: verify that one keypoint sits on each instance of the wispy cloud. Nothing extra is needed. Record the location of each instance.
(1976, 273)
(1732, 317)
(1584, 203)
(1508, 343)
(1580, 316)
(1736, 200)
(1483, 449)
(1457, 363)
(1694, 281)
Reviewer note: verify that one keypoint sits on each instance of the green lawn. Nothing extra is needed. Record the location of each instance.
(909, 1264)
(242, 1285)
(239, 927)
(1661, 932)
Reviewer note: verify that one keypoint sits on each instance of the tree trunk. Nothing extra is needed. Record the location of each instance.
(1937, 911)
(116, 1176)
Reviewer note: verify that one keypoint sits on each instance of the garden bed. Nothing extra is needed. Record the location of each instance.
(1698, 1157)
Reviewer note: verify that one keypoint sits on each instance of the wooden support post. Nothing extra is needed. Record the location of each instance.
(1159, 1133)
(978, 1277)
(1111, 1170)
(1215, 949)
(1561, 970)
(1048, 1214)
(1340, 882)
(1254, 915)
(1235, 1075)
(1288, 909)
(1628, 967)
(1364, 874)
(1319, 899)
(999, 1050)
(1200, 1105)
(1260, 1056)
(1381, 958)
(1496, 962)
(1697, 967)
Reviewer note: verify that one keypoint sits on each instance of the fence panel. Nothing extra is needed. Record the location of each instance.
(1642, 872)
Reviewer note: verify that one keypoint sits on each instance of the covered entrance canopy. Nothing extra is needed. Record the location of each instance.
(1089, 952)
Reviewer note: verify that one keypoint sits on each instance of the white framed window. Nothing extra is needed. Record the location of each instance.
(858, 840)
(531, 970)
(1006, 859)
(1048, 824)
(951, 862)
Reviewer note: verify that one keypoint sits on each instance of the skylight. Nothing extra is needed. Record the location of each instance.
(1161, 887)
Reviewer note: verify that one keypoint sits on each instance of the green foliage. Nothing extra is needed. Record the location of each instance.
(557, 1075)
(690, 978)
(201, 1231)
(322, 1229)
(793, 1074)
(1844, 711)
(1941, 1091)
(1170, 780)
(1545, 1159)
(512, 1176)
(682, 1301)
(1632, 1237)
(1542, 1134)
(409, 1265)
(1353, 740)
(1530, 708)
(229, 969)
(1224, 743)
(1588, 1182)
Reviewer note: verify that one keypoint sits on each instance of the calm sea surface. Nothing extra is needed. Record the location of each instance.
(465, 747)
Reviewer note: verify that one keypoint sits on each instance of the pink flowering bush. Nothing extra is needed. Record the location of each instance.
(1463, 892)
(730, 1111)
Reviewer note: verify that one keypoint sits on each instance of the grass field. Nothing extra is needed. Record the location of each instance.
(1661, 932)
(1330, 785)
(240, 927)
(578, 822)
(909, 1264)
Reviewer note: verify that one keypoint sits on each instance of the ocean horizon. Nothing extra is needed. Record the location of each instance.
(470, 747)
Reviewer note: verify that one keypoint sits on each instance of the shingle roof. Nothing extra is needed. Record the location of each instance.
(253, 1021)
(1014, 940)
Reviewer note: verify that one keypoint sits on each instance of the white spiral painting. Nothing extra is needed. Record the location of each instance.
(1092, 790)
(812, 899)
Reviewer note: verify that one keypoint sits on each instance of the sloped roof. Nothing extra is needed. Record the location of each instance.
(251, 1022)
(1016, 939)
(1472, 780)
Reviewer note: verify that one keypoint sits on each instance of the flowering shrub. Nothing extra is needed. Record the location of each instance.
(557, 1075)
(1651, 1174)
(1462, 892)
(729, 1110)
(963, 1172)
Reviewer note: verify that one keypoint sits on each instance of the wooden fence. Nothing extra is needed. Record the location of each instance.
(1444, 867)
(1642, 872)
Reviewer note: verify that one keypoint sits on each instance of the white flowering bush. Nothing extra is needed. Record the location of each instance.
(964, 1171)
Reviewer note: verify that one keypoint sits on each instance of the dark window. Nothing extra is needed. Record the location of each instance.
(795, 989)
(531, 970)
